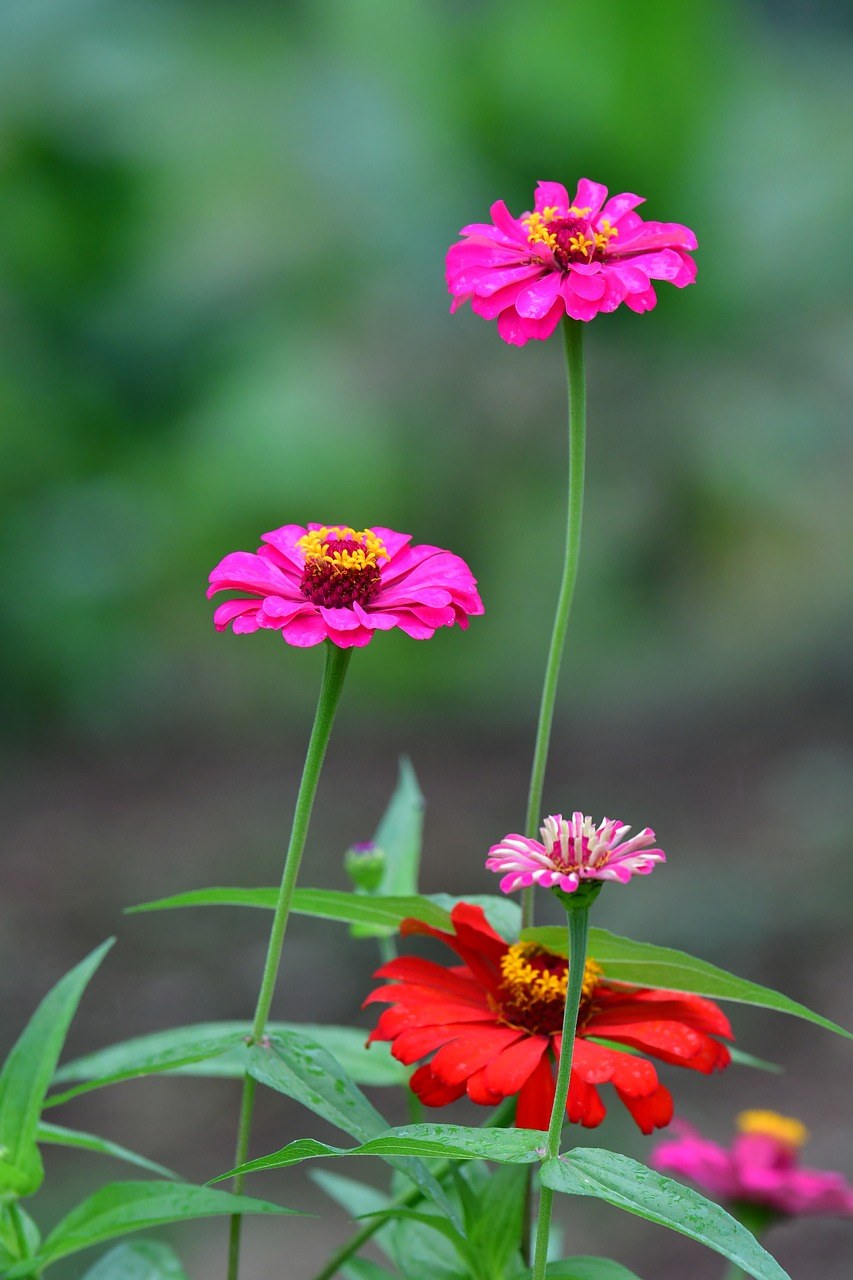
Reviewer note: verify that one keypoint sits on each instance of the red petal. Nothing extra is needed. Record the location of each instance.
(479, 1091)
(461, 1058)
(650, 1113)
(514, 1067)
(673, 1042)
(617, 1004)
(432, 1092)
(584, 1106)
(536, 1098)
(426, 973)
(595, 1063)
(417, 1042)
(474, 941)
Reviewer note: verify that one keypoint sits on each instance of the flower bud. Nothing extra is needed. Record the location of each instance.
(365, 864)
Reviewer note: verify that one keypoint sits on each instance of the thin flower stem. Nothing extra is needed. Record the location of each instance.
(497, 1120)
(573, 340)
(334, 671)
(578, 936)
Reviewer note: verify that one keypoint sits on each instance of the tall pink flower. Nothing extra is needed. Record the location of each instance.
(760, 1168)
(332, 582)
(568, 257)
(573, 850)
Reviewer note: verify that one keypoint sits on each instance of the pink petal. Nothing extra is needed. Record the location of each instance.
(305, 631)
(536, 300)
(590, 195)
(550, 194)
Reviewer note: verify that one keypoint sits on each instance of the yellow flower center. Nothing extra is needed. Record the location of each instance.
(533, 987)
(345, 548)
(341, 566)
(771, 1125)
(570, 237)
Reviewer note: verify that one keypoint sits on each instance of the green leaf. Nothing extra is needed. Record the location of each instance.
(632, 1186)
(28, 1069)
(363, 1269)
(428, 1141)
(122, 1207)
(648, 965)
(159, 1052)
(399, 836)
(494, 1229)
(744, 1059)
(324, 904)
(141, 1260)
(16, 1223)
(358, 1198)
(586, 1269)
(294, 1065)
(148, 1055)
(61, 1137)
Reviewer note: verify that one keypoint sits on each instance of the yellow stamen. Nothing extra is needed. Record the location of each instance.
(536, 229)
(529, 984)
(605, 234)
(772, 1125)
(319, 547)
(581, 244)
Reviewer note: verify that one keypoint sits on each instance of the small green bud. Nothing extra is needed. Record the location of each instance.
(365, 865)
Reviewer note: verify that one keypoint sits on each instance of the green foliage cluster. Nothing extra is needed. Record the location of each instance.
(445, 1215)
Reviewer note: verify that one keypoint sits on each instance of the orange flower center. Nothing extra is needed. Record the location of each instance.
(341, 566)
(532, 994)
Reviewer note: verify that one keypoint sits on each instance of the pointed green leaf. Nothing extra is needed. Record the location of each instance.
(30, 1065)
(141, 1260)
(61, 1137)
(294, 1065)
(648, 965)
(632, 1186)
(323, 904)
(399, 835)
(147, 1055)
(123, 1207)
(428, 1141)
(176, 1052)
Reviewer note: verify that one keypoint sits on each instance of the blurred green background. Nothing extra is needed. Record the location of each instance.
(222, 230)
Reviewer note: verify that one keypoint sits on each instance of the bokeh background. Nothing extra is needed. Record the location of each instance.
(222, 232)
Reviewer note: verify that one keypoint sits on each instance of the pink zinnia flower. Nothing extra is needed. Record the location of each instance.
(569, 257)
(573, 851)
(332, 582)
(759, 1168)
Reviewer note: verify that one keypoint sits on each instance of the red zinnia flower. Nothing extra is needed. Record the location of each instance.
(494, 1027)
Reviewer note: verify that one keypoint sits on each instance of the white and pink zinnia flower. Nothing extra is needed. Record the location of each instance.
(330, 582)
(568, 257)
(572, 851)
(761, 1167)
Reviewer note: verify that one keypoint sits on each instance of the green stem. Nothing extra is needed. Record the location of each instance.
(334, 671)
(578, 936)
(498, 1120)
(573, 339)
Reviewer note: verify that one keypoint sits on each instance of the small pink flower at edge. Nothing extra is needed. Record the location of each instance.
(572, 851)
(331, 582)
(568, 257)
(760, 1168)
